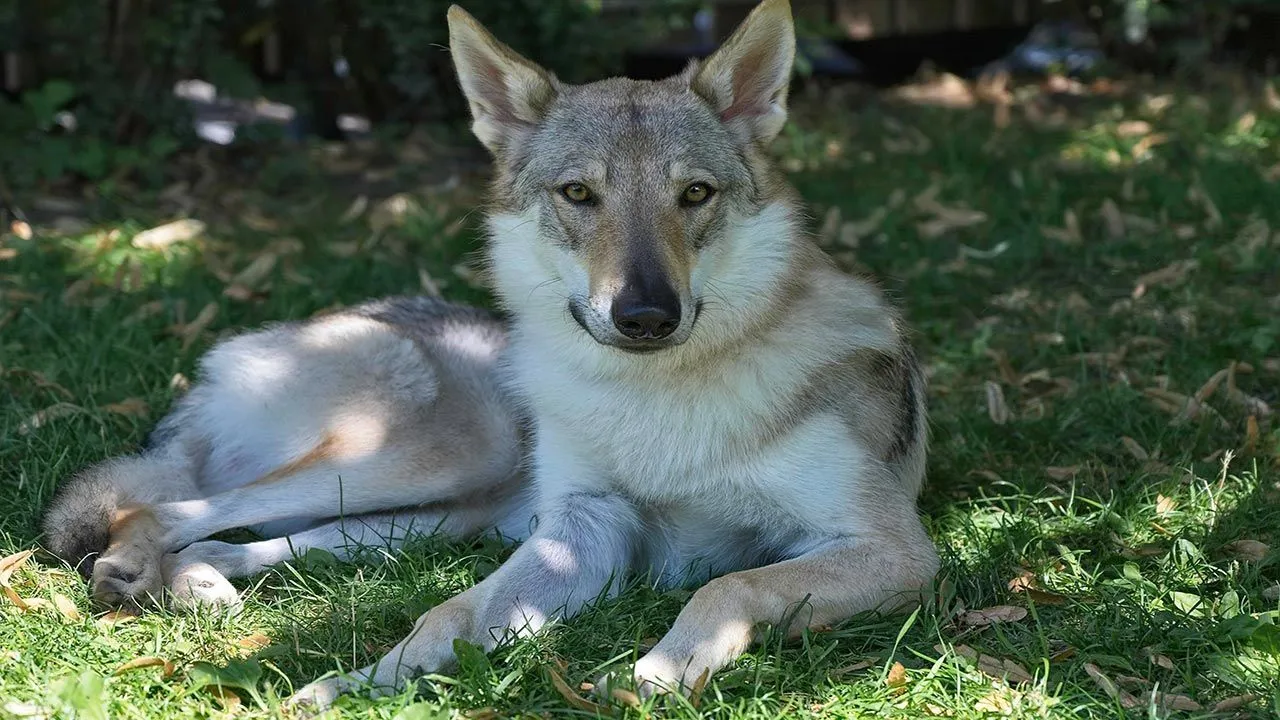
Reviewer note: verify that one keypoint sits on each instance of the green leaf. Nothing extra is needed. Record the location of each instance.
(238, 674)
(81, 696)
(1188, 603)
(421, 711)
(1266, 639)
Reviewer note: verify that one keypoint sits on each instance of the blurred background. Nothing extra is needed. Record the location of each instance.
(110, 89)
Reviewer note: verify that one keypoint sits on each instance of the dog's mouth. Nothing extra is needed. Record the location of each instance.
(628, 345)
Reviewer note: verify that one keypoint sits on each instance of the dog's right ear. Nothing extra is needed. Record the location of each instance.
(508, 94)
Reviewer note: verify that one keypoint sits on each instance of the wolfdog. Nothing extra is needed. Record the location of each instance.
(684, 388)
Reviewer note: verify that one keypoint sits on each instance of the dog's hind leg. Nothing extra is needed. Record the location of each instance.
(197, 575)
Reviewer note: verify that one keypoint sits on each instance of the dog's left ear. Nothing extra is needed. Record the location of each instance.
(508, 94)
(746, 80)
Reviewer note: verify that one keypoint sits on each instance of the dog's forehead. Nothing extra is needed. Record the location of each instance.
(619, 120)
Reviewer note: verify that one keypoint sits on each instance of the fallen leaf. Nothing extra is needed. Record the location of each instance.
(574, 698)
(131, 407)
(116, 617)
(849, 669)
(1168, 275)
(1272, 593)
(1133, 128)
(1069, 234)
(140, 663)
(48, 415)
(1112, 219)
(1234, 703)
(1210, 386)
(1159, 659)
(1165, 505)
(355, 210)
(1110, 688)
(897, 676)
(179, 383)
(192, 330)
(993, 615)
(1136, 450)
(1172, 701)
(1063, 473)
(997, 410)
(1251, 434)
(247, 281)
(162, 236)
(66, 607)
(256, 641)
(999, 668)
(21, 229)
(699, 685)
(10, 564)
(226, 697)
(1248, 550)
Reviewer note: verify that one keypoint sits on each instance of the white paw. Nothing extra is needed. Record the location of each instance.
(649, 677)
(317, 696)
(198, 587)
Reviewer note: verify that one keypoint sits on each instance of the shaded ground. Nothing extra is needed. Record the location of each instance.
(1095, 279)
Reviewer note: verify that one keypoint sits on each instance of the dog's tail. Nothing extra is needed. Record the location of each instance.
(77, 523)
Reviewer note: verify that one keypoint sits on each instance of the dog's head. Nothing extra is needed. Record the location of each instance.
(627, 187)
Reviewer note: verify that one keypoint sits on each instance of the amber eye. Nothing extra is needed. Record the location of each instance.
(696, 194)
(576, 193)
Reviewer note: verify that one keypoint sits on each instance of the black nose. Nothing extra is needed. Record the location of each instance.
(650, 315)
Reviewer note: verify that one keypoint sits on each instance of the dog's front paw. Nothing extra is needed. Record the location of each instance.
(199, 587)
(650, 676)
(128, 577)
(317, 696)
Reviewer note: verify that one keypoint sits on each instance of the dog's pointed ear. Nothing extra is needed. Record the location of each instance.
(508, 94)
(747, 79)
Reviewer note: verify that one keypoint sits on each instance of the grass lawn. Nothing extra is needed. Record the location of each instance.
(1095, 281)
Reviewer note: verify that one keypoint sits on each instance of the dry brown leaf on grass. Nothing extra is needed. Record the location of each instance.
(1136, 450)
(1182, 407)
(1069, 234)
(1159, 659)
(1112, 219)
(856, 667)
(139, 663)
(245, 284)
(1251, 434)
(21, 229)
(1198, 195)
(162, 236)
(65, 607)
(1235, 703)
(354, 210)
(48, 415)
(1025, 583)
(996, 667)
(8, 566)
(574, 698)
(226, 697)
(626, 697)
(1165, 505)
(1248, 550)
(114, 618)
(130, 407)
(1108, 686)
(190, 332)
(993, 615)
(252, 642)
(897, 677)
(1168, 275)
(1063, 473)
(997, 409)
